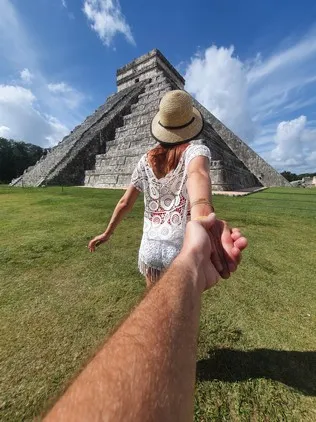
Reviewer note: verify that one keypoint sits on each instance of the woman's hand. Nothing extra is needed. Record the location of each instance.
(215, 248)
(98, 240)
(226, 245)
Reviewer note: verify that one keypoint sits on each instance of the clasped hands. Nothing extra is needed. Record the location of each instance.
(215, 247)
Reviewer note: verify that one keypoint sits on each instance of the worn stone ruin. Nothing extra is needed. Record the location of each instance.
(306, 182)
(103, 151)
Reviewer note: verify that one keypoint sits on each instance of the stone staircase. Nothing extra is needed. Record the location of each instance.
(114, 168)
(132, 140)
(67, 161)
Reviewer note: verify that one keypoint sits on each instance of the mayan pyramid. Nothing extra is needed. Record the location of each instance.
(105, 148)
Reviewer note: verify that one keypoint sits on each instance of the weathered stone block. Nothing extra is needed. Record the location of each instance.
(105, 179)
(113, 161)
(132, 161)
(123, 181)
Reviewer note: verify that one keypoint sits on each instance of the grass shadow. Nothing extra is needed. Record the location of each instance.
(295, 369)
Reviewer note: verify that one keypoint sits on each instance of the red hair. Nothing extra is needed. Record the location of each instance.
(163, 159)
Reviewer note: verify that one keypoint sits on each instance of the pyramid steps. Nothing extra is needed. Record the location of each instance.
(138, 117)
(259, 172)
(147, 97)
(131, 141)
(66, 162)
(151, 107)
(132, 149)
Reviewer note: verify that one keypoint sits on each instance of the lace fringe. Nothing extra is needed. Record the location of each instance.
(154, 273)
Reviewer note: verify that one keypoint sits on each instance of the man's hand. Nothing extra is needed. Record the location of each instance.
(98, 240)
(210, 242)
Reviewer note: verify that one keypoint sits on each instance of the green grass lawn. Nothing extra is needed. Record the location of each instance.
(256, 359)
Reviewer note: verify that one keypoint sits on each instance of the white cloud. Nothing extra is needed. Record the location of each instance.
(295, 54)
(4, 131)
(16, 94)
(107, 20)
(19, 114)
(14, 48)
(67, 94)
(35, 115)
(63, 2)
(26, 76)
(25, 116)
(311, 161)
(59, 88)
(288, 141)
(294, 146)
(253, 97)
(218, 80)
(58, 130)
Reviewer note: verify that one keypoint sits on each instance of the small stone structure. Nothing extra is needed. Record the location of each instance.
(306, 182)
(105, 148)
(309, 182)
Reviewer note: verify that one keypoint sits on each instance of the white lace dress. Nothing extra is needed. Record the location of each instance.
(166, 211)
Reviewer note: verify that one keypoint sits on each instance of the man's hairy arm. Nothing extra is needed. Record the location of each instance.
(146, 370)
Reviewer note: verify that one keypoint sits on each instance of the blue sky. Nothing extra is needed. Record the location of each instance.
(253, 64)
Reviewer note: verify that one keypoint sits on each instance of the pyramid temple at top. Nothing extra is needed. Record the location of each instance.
(105, 148)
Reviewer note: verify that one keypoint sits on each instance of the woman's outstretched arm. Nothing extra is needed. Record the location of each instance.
(226, 256)
(199, 187)
(124, 205)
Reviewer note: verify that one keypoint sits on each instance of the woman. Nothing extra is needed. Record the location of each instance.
(175, 180)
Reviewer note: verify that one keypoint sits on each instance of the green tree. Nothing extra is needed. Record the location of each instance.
(290, 176)
(15, 157)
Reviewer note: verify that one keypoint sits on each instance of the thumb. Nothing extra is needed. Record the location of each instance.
(228, 243)
(206, 221)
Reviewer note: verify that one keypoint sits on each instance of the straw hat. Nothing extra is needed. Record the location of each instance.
(177, 120)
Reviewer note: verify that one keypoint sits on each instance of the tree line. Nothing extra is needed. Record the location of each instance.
(293, 176)
(15, 157)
